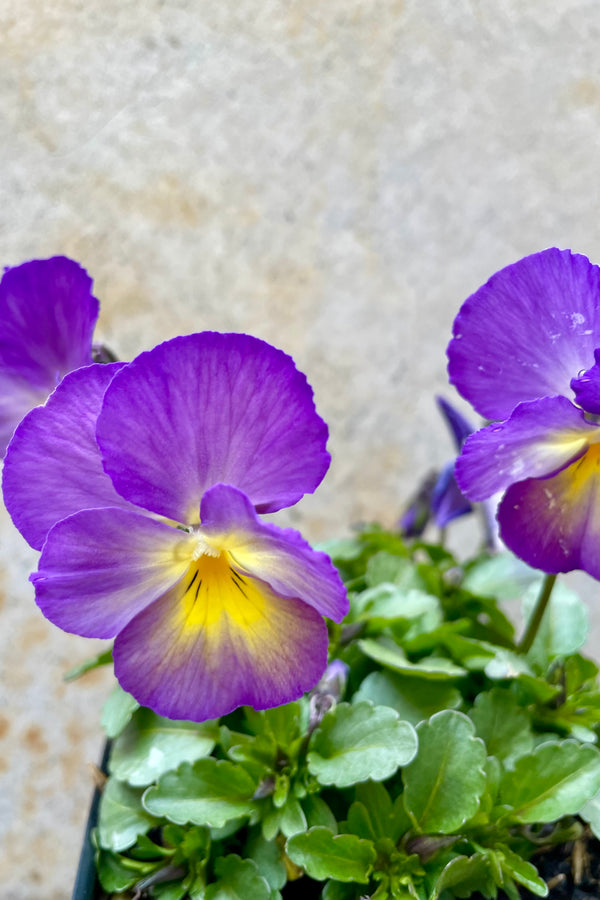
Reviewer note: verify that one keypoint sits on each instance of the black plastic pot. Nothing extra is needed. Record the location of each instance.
(87, 886)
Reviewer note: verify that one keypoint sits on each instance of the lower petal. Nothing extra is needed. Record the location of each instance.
(201, 651)
(554, 523)
(279, 556)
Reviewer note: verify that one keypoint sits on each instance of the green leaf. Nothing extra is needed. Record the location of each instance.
(357, 742)
(342, 550)
(387, 653)
(268, 859)
(169, 891)
(336, 890)
(121, 816)
(507, 664)
(292, 819)
(280, 724)
(564, 628)
(209, 792)
(104, 658)
(469, 652)
(238, 879)
(378, 803)
(343, 857)
(444, 783)
(151, 745)
(256, 752)
(113, 873)
(553, 781)
(502, 724)
(522, 871)
(408, 614)
(117, 711)
(465, 875)
(590, 813)
(502, 576)
(397, 570)
(317, 812)
(414, 699)
(579, 672)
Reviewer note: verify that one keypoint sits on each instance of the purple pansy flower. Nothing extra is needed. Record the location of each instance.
(526, 353)
(142, 484)
(439, 495)
(447, 500)
(47, 316)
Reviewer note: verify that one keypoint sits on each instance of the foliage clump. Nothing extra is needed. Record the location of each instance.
(433, 760)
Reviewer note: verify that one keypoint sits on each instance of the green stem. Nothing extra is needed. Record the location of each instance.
(524, 646)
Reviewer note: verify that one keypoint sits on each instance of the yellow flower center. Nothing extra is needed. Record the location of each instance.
(214, 589)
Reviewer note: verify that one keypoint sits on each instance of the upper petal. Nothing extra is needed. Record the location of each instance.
(53, 466)
(459, 427)
(554, 523)
(209, 408)
(201, 656)
(100, 567)
(48, 316)
(278, 556)
(530, 329)
(539, 438)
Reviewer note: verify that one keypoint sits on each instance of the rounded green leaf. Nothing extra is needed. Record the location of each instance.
(210, 792)
(343, 857)
(564, 628)
(590, 813)
(121, 816)
(267, 856)
(553, 781)
(445, 781)
(414, 699)
(238, 879)
(502, 724)
(356, 742)
(151, 745)
(117, 711)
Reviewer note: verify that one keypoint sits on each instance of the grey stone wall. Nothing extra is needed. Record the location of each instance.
(335, 177)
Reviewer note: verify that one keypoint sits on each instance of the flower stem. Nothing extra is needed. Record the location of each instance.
(524, 645)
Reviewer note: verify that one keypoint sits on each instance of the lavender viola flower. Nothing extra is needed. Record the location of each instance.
(447, 500)
(47, 316)
(142, 484)
(439, 495)
(526, 352)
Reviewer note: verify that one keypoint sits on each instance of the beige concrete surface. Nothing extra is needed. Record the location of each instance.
(334, 176)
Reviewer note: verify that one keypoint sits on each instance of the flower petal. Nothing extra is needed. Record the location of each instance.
(586, 387)
(539, 438)
(100, 567)
(459, 427)
(278, 556)
(447, 500)
(53, 466)
(530, 329)
(17, 397)
(48, 316)
(202, 660)
(209, 408)
(554, 523)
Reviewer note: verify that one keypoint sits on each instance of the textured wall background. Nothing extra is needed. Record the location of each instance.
(335, 176)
